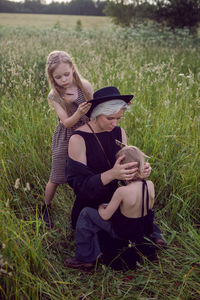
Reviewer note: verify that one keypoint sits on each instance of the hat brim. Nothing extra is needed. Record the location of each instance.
(97, 101)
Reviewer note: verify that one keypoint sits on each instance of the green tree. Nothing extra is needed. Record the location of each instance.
(178, 13)
(121, 11)
(81, 7)
(127, 12)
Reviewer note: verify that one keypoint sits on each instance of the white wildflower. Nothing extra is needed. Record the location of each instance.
(167, 103)
(27, 188)
(17, 183)
(7, 203)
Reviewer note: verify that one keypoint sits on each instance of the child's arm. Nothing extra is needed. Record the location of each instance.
(151, 193)
(81, 110)
(72, 120)
(106, 212)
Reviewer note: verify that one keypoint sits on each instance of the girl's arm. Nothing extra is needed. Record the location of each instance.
(72, 120)
(106, 212)
(151, 193)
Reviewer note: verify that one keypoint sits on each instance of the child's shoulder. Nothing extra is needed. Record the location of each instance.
(87, 86)
(136, 186)
(151, 188)
(149, 183)
(125, 188)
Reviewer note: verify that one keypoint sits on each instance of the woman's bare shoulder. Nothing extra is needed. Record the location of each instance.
(84, 128)
(76, 148)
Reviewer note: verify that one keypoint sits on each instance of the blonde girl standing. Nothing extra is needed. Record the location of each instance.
(68, 96)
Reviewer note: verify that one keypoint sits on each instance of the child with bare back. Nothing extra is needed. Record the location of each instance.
(128, 200)
(128, 216)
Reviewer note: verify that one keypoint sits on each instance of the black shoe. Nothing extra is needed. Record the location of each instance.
(46, 216)
(75, 264)
(160, 243)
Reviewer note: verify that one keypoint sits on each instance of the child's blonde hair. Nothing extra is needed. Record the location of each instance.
(53, 60)
(133, 154)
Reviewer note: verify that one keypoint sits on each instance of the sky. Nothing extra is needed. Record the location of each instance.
(47, 1)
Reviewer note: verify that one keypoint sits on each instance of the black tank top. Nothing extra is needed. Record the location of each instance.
(134, 229)
(96, 160)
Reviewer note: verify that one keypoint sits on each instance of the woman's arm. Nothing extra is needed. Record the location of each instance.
(147, 167)
(147, 170)
(120, 171)
(77, 151)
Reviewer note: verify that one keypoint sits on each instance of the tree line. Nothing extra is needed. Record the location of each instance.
(171, 13)
(74, 7)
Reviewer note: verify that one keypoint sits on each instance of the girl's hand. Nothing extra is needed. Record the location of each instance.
(147, 170)
(103, 205)
(101, 210)
(83, 108)
(124, 171)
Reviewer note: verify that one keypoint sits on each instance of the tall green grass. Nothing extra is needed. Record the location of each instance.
(162, 70)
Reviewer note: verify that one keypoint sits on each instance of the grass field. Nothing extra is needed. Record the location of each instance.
(62, 21)
(162, 70)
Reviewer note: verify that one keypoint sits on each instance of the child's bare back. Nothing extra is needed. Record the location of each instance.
(131, 198)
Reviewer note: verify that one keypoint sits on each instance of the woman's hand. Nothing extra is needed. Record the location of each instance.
(83, 108)
(147, 170)
(124, 171)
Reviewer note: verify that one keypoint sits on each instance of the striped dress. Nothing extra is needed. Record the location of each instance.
(61, 139)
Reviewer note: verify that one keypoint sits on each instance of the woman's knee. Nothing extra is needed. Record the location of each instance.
(87, 211)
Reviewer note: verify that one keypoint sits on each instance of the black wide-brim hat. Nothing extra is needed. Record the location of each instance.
(106, 94)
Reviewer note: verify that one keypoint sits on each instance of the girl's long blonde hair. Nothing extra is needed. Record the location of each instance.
(53, 60)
